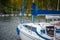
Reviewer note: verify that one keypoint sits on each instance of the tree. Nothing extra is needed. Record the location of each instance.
(4, 5)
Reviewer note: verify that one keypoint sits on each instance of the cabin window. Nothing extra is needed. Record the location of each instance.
(50, 30)
(58, 19)
(55, 19)
(30, 27)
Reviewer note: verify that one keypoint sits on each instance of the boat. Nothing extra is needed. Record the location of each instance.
(53, 31)
(57, 29)
(37, 31)
(33, 31)
(55, 21)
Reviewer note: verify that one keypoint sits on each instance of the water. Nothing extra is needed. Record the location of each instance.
(8, 27)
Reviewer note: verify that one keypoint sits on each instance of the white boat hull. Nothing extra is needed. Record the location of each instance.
(25, 36)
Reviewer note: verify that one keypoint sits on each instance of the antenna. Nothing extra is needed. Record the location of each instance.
(58, 5)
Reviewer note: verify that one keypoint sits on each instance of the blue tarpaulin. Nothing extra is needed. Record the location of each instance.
(36, 11)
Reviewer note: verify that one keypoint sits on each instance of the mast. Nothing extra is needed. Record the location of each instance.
(32, 15)
(58, 5)
(42, 4)
(33, 1)
(22, 11)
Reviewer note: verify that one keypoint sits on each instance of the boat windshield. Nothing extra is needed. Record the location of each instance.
(30, 27)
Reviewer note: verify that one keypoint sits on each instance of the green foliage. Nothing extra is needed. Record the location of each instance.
(7, 5)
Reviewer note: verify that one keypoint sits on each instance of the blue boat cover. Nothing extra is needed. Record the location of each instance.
(36, 11)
